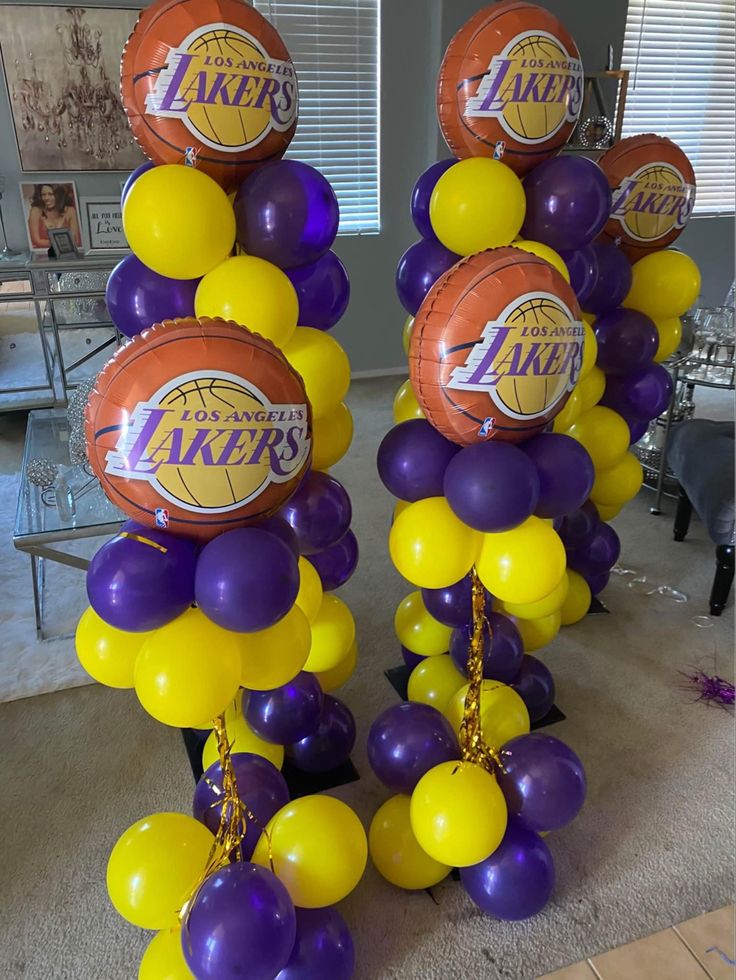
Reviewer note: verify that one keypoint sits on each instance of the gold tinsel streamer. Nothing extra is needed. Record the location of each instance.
(474, 749)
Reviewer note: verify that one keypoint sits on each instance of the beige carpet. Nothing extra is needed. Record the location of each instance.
(654, 844)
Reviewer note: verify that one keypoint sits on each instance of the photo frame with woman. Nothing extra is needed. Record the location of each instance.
(50, 205)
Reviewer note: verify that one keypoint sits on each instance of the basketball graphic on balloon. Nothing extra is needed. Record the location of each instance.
(213, 77)
(653, 185)
(198, 426)
(496, 347)
(511, 76)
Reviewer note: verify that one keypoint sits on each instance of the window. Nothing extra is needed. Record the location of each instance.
(681, 57)
(334, 45)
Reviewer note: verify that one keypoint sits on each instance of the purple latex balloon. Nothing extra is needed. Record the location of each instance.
(517, 880)
(568, 202)
(242, 923)
(637, 428)
(323, 948)
(577, 529)
(137, 586)
(565, 472)
(502, 657)
(583, 268)
(422, 194)
(412, 460)
(319, 512)
(246, 579)
(279, 527)
(407, 740)
(612, 282)
(336, 564)
(597, 582)
(330, 744)
(543, 781)
(598, 555)
(288, 713)
(132, 178)
(642, 395)
(287, 213)
(419, 268)
(260, 786)
(453, 605)
(491, 486)
(323, 291)
(137, 297)
(535, 686)
(627, 341)
(411, 659)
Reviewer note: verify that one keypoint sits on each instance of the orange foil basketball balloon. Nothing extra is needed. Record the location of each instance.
(496, 347)
(653, 186)
(198, 426)
(510, 86)
(209, 81)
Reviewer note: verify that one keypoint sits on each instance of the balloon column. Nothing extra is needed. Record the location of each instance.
(497, 350)
(213, 429)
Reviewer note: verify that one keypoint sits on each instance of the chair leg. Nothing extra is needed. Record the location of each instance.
(683, 515)
(723, 578)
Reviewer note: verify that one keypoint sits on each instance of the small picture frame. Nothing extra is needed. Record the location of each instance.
(102, 221)
(62, 243)
(50, 206)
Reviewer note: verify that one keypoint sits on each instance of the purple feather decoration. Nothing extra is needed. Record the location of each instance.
(710, 689)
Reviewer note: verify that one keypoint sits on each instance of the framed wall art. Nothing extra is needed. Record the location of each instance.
(50, 205)
(61, 66)
(102, 224)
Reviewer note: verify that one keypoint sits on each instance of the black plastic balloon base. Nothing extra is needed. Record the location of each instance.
(299, 783)
(398, 678)
(596, 606)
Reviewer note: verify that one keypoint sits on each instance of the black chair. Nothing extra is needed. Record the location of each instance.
(701, 455)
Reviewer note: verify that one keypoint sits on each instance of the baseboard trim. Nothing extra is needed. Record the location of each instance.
(380, 373)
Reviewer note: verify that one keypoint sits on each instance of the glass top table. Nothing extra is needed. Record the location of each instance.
(42, 524)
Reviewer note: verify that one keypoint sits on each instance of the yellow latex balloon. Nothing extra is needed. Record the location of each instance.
(572, 410)
(430, 546)
(546, 253)
(319, 850)
(669, 330)
(309, 596)
(590, 350)
(577, 601)
(524, 564)
(417, 630)
(154, 866)
(406, 333)
(434, 681)
(503, 714)
(330, 680)
(588, 318)
(333, 633)
(618, 483)
(164, 958)
(400, 507)
(664, 284)
(406, 405)
(331, 437)
(232, 712)
(253, 293)
(394, 849)
(188, 670)
(243, 739)
(478, 203)
(591, 388)
(607, 512)
(273, 656)
(107, 654)
(603, 433)
(537, 633)
(323, 365)
(542, 607)
(178, 221)
(458, 813)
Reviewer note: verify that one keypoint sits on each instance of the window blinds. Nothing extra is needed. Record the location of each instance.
(681, 57)
(335, 48)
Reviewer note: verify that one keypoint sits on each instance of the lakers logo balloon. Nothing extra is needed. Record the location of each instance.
(510, 86)
(496, 347)
(198, 426)
(221, 93)
(653, 186)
